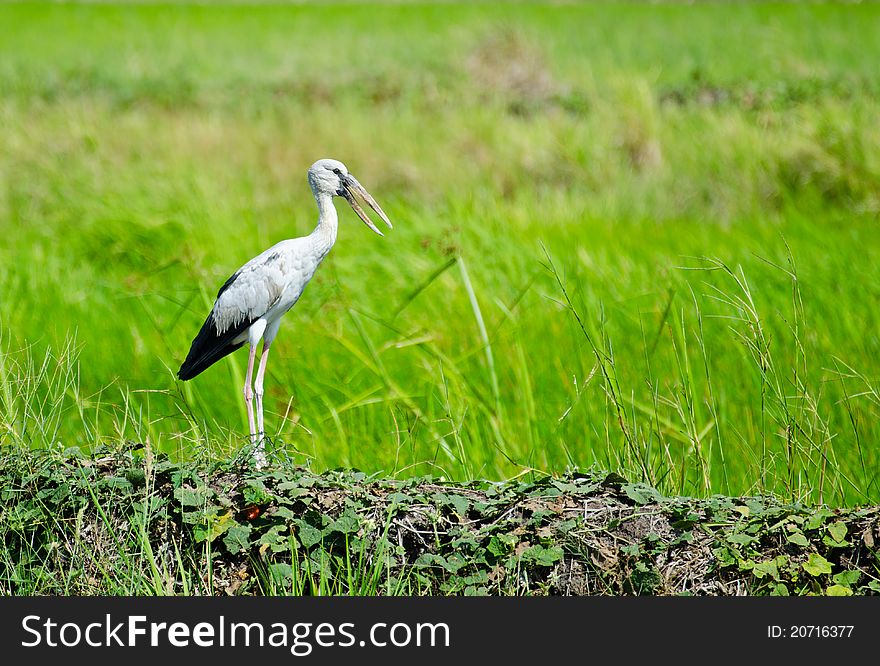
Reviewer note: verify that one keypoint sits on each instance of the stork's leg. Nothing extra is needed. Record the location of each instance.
(258, 391)
(248, 392)
(268, 333)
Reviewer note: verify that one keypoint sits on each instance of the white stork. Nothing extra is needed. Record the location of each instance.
(250, 304)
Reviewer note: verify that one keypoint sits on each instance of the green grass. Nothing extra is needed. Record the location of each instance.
(637, 237)
(135, 522)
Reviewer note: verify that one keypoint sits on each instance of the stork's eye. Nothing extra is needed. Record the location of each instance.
(337, 172)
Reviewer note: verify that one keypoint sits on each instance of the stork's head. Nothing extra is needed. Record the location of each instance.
(330, 177)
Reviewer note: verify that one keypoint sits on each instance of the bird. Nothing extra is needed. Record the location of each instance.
(250, 304)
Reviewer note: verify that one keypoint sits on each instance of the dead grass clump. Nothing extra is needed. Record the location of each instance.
(507, 65)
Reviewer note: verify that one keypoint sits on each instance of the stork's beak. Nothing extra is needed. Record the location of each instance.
(351, 187)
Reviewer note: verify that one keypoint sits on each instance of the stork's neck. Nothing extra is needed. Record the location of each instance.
(324, 234)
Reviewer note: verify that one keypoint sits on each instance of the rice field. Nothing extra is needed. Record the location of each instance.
(639, 238)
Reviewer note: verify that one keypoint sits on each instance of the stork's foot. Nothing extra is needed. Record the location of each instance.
(258, 444)
(253, 452)
(260, 451)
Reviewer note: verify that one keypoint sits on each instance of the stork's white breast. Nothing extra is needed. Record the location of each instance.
(268, 285)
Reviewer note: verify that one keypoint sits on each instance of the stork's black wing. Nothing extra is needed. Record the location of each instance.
(209, 346)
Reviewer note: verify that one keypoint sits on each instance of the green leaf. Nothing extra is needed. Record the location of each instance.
(213, 525)
(724, 556)
(276, 538)
(479, 577)
(293, 492)
(345, 524)
(308, 536)
(541, 556)
(640, 493)
(741, 539)
(768, 568)
(284, 512)
(579, 487)
(816, 565)
(464, 541)
(454, 562)
(460, 503)
(828, 541)
(279, 572)
(817, 519)
(188, 496)
(567, 526)
(193, 518)
(136, 476)
(798, 539)
(756, 506)
(451, 564)
(255, 493)
(847, 578)
(838, 591)
(501, 544)
(837, 531)
(237, 538)
(117, 482)
(399, 498)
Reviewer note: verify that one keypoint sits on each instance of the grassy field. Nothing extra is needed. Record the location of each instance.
(641, 238)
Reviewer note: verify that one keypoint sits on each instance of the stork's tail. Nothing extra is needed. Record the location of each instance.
(208, 347)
